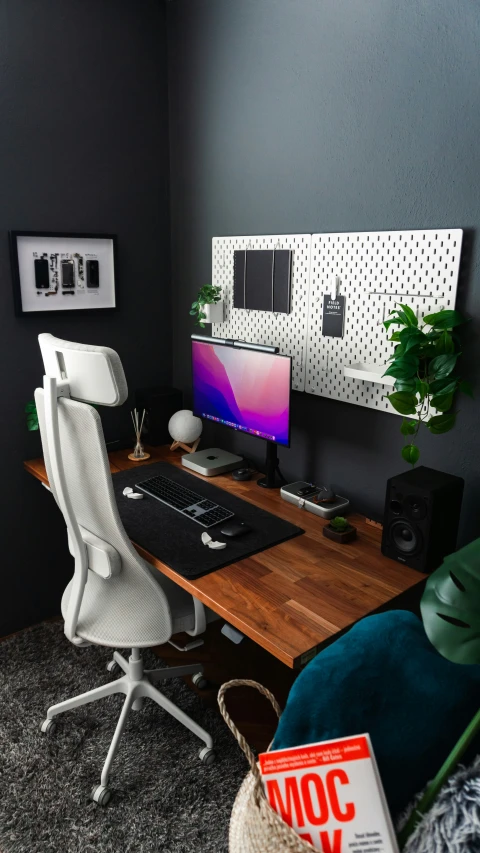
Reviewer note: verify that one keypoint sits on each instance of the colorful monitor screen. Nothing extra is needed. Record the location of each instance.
(243, 389)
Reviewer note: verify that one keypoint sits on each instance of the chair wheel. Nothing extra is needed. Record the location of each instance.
(207, 755)
(112, 667)
(100, 794)
(199, 680)
(47, 727)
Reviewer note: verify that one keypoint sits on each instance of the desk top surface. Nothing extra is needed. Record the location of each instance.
(294, 596)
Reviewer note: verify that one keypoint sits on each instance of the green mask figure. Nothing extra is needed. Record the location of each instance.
(451, 606)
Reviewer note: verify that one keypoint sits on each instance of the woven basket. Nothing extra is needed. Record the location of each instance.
(254, 826)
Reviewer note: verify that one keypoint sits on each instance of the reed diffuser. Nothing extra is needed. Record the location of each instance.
(138, 454)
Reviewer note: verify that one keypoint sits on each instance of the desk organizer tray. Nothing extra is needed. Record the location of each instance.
(175, 540)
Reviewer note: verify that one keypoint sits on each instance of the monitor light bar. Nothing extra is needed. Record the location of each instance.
(240, 344)
(258, 347)
(209, 340)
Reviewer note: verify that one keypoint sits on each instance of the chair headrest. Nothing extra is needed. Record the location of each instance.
(94, 374)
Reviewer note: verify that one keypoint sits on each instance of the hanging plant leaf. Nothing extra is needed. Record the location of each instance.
(444, 319)
(441, 423)
(408, 427)
(394, 321)
(404, 367)
(409, 314)
(413, 342)
(443, 386)
(411, 454)
(444, 344)
(405, 385)
(443, 365)
(403, 402)
(422, 388)
(410, 332)
(442, 402)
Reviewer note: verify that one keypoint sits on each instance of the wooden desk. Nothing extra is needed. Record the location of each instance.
(295, 596)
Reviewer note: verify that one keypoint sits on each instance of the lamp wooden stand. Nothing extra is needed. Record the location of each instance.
(190, 448)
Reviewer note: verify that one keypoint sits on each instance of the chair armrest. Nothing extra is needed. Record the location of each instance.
(200, 618)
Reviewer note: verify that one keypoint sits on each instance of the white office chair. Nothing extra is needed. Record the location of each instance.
(115, 599)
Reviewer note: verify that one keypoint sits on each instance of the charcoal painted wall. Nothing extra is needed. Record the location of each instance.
(328, 115)
(83, 147)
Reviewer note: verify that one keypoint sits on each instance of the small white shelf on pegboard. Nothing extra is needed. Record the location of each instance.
(369, 373)
(374, 271)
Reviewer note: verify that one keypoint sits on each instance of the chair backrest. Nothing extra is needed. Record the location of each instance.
(79, 473)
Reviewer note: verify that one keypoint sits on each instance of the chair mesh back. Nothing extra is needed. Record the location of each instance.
(89, 485)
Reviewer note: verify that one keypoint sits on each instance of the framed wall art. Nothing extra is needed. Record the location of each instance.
(63, 272)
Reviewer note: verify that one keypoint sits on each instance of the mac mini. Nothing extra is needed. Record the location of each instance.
(211, 461)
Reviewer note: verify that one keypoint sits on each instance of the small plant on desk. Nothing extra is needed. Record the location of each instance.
(340, 530)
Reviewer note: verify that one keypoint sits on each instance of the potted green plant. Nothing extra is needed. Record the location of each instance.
(208, 307)
(340, 530)
(423, 365)
(31, 439)
(32, 416)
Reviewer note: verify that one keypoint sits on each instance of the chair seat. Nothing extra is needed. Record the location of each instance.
(119, 614)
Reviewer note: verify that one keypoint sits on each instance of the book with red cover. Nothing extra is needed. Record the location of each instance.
(331, 794)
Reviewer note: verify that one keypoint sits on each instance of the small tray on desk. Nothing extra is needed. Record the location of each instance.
(176, 540)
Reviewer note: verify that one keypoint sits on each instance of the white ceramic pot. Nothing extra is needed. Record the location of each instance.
(214, 312)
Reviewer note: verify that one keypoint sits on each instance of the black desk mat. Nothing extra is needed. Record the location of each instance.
(176, 540)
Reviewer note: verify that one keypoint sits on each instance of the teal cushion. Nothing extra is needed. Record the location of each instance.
(384, 677)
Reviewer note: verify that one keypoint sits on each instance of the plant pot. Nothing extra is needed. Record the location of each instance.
(347, 535)
(213, 312)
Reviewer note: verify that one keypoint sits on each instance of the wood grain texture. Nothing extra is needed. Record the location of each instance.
(291, 598)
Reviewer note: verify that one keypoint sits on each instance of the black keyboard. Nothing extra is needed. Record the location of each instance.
(190, 504)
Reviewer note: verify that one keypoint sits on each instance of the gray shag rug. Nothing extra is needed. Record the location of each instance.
(453, 823)
(164, 799)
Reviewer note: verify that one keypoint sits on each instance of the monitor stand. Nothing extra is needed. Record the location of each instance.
(273, 478)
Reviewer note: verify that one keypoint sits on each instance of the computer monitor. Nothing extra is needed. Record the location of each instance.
(246, 389)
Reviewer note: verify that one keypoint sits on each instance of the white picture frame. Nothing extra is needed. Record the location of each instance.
(61, 272)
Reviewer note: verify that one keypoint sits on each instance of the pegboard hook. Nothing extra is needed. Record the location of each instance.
(334, 286)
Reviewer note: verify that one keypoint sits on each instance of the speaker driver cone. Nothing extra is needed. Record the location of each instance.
(405, 537)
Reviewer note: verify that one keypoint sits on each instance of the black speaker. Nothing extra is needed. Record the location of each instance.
(422, 511)
(160, 404)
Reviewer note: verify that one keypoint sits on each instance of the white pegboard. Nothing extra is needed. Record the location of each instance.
(287, 331)
(375, 270)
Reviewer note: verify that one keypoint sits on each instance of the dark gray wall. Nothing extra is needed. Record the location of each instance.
(309, 116)
(83, 147)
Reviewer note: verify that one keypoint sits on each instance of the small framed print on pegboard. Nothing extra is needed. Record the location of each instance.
(55, 272)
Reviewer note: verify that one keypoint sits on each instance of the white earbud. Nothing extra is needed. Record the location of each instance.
(129, 493)
(216, 546)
